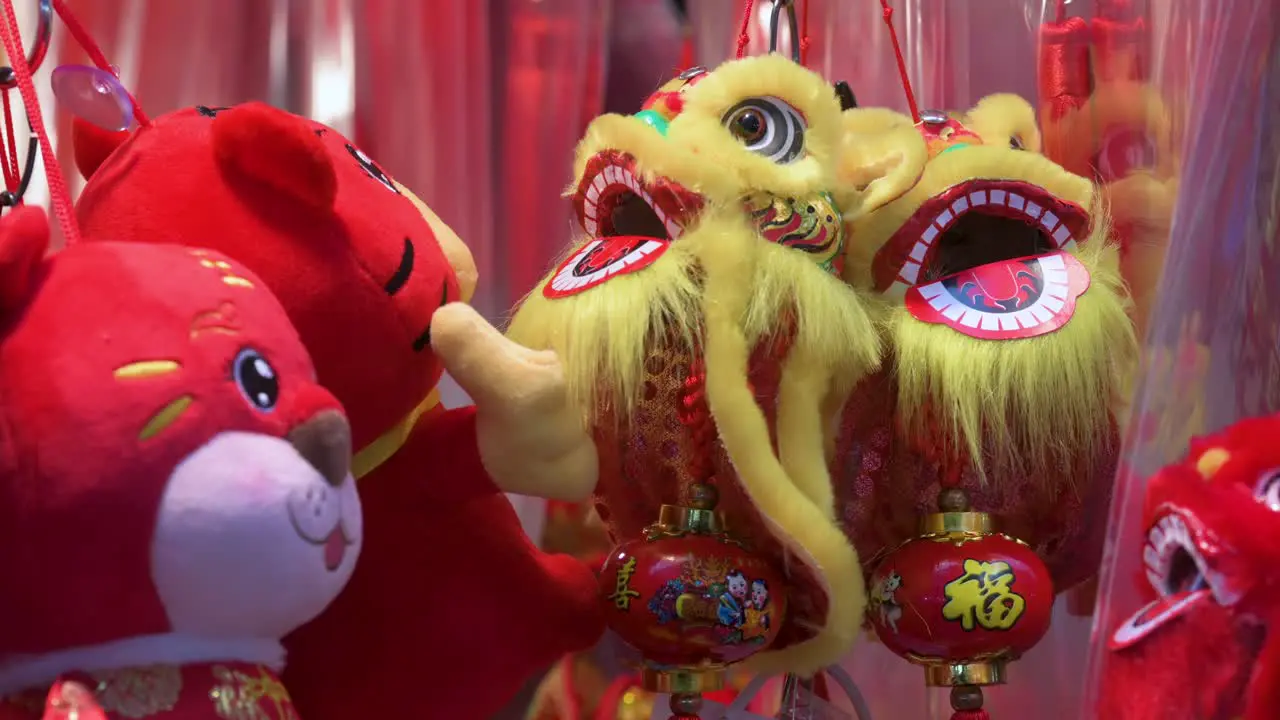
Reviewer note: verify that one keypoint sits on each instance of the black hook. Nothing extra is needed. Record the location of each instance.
(39, 48)
(844, 94)
(775, 17)
(11, 199)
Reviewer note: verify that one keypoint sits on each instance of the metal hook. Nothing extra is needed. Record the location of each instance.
(775, 17)
(11, 199)
(35, 56)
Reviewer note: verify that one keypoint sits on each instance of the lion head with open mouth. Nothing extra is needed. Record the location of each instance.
(1007, 324)
(707, 276)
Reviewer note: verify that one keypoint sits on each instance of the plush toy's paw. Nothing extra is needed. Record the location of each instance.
(532, 441)
(70, 700)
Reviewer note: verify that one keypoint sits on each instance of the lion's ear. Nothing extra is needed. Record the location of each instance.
(1005, 118)
(881, 155)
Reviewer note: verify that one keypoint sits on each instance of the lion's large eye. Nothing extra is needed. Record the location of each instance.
(769, 127)
(1267, 489)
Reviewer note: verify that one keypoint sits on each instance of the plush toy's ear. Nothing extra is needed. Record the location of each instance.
(24, 239)
(93, 145)
(276, 148)
(1005, 118)
(882, 155)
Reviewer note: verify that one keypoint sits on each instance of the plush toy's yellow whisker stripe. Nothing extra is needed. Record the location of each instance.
(165, 417)
(146, 369)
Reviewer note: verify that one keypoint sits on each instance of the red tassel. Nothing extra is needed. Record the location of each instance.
(970, 715)
(1065, 81)
(1120, 43)
(686, 49)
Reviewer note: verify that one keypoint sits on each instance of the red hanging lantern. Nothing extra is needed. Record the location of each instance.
(961, 600)
(692, 600)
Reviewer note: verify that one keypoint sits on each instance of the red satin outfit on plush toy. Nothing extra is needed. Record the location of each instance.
(449, 590)
(1207, 647)
(175, 494)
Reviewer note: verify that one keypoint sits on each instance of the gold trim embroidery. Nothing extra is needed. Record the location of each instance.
(138, 692)
(239, 695)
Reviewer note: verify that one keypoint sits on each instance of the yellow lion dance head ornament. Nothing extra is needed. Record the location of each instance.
(1007, 326)
(708, 271)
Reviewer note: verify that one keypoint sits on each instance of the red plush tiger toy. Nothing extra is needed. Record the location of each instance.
(449, 589)
(175, 487)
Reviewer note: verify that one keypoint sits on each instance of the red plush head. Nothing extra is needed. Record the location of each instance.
(360, 263)
(169, 468)
(1212, 556)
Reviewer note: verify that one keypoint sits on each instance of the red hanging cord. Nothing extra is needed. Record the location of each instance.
(59, 195)
(1060, 13)
(902, 62)
(804, 33)
(95, 53)
(695, 415)
(743, 36)
(9, 152)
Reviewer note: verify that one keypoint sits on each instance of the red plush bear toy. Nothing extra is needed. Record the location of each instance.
(451, 603)
(1209, 646)
(175, 487)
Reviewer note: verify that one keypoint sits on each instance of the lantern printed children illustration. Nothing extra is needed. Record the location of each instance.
(1207, 646)
(884, 602)
(1008, 331)
(176, 492)
(699, 321)
(737, 609)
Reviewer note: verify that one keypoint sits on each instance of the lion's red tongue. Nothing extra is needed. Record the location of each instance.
(1004, 300)
(1156, 615)
(335, 549)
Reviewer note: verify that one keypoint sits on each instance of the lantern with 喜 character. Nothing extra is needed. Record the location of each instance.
(692, 599)
(961, 600)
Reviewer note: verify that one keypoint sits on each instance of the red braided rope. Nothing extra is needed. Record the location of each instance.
(744, 36)
(695, 415)
(935, 445)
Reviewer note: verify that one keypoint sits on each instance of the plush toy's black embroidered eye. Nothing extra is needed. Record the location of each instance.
(371, 168)
(256, 379)
(769, 127)
(1015, 142)
(403, 272)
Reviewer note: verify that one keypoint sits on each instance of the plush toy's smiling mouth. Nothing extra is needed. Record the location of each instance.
(334, 542)
(988, 258)
(612, 201)
(1181, 566)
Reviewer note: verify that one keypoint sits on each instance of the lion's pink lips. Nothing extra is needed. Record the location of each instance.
(901, 262)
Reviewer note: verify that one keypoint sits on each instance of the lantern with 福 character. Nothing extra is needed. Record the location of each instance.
(692, 599)
(961, 600)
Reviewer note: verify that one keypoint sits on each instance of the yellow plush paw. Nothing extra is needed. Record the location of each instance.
(531, 440)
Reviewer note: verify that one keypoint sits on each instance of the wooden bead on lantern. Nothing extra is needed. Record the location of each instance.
(961, 600)
(691, 599)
